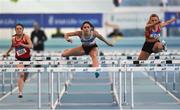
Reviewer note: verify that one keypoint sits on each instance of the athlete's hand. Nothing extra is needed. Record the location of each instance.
(5, 55)
(110, 44)
(69, 40)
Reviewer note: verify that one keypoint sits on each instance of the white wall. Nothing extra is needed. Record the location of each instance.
(124, 16)
(55, 6)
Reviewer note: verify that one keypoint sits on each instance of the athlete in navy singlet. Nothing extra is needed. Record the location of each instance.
(87, 36)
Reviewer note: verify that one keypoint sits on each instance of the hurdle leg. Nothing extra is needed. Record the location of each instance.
(125, 87)
(11, 79)
(3, 83)
(49, 89)
(132, 90)
(58, 87)
(66, 82)
(155, 77)
(39, 90)
(52, 91)
(166, 81)
(113, 88)
(120, 89)
(174, 80)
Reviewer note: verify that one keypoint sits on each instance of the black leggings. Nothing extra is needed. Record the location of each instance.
(148, 47)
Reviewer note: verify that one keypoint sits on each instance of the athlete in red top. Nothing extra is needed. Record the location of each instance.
(22, 44)
(152, 35)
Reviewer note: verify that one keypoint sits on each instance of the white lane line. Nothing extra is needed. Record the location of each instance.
(15, 89)
(162, 87)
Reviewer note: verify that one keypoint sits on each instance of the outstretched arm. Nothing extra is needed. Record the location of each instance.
(99, 36)
(151, 25)
(9, 50)
(67, 35)
(169, 21)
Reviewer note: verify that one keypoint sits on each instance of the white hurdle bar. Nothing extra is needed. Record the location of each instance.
(150, 62)
(31, 70)
(115, 57)
(60, 62)
(74, 62)
(123, 52)
(113, 69)
(27, 62)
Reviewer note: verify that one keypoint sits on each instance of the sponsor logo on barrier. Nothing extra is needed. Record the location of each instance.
(103, 62)
(141, 62)
(152, 62)
(163, 68)
(11, 62)
(69, 62)
(17, 70)
(163, 62)
(86, 62)
(85, 70)
(3, 70)
(20, 62)
(151, 69)
(75, 62)
(73, 70)
(176, 68)
(25, 69)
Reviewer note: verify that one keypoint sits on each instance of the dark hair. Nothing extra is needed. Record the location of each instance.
(153, 15)
(19, 24)
(87, 22)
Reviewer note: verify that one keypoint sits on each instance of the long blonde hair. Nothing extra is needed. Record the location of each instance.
(152, 15)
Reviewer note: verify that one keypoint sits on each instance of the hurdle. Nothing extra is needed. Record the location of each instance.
(149, 63)
(61, 70)
(123, 52)
(32, 70)
(113, 69)
(106, 57)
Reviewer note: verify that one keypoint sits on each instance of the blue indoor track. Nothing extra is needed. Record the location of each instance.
(81, 90)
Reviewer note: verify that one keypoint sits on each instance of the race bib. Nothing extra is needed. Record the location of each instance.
(155, 35)
(21, 51)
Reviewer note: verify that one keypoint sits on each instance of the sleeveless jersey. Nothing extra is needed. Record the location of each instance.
(90, 40)
(20, 51)
(153, 34)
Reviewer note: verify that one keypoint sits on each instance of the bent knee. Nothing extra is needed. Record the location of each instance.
(64, 54)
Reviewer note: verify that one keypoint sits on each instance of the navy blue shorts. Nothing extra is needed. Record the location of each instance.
(88, 48)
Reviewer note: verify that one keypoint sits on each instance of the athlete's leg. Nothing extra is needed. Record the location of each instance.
(94, 56)
(73, 52)
(20, 81)
(158, 47)
(143, 55)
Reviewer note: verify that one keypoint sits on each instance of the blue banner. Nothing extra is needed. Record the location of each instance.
(50, 20)
(71, 20)
(10, 20)
(169, 15)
